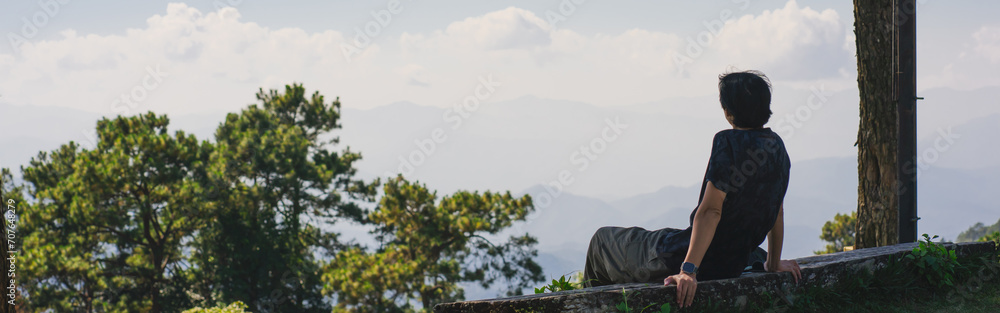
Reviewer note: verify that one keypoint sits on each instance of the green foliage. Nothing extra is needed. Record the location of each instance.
(574, 282)
(106, 229)
(839, 232)
(934, 262)
(655, 307)
(428, 246)
(623, 306)
(558, 285)
(274, 182)
(897, 287)
(978, 231)
(149, 221)
(664, 308)
(235, 307)
(994, 237)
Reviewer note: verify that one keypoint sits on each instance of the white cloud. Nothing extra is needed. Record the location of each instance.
(414, 74)
(216, 61)
(973, 64)
(790, 43)
(209, 58)
(988, 43)
(637, 65)
(511, 28)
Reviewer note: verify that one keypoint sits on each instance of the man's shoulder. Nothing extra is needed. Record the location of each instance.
(724, 133)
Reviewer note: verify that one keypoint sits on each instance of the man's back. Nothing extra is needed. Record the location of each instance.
(752, 168)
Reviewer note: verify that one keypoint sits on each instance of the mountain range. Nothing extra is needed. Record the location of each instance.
(589, 166)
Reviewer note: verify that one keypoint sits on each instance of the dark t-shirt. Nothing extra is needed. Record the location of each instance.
(751, 167)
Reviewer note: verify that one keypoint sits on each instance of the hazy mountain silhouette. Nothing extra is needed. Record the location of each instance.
(647, 176)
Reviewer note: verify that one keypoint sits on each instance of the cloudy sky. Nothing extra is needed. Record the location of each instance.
(212, 54)
(545, 77)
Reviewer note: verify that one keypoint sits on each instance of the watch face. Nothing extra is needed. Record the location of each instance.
(688, 267)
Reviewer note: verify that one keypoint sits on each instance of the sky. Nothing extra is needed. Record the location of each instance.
(544, 76)
(210, 57)
(87, 55)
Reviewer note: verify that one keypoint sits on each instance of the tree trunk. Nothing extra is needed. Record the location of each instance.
(877, 132)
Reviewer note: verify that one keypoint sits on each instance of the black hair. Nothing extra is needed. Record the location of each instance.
(747, 97)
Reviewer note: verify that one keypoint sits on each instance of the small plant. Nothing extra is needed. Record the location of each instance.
(624, 308)
(665, 308)
(559, 285)
(934, 262)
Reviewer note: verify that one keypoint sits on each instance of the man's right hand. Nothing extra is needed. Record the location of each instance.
(786, 266)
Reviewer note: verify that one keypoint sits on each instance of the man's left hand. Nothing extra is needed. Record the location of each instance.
(686, 287)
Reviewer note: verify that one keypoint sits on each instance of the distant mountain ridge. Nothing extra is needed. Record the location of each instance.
(818, 190)
(646, 177)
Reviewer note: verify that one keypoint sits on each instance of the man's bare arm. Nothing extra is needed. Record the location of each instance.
(706, 220)
(774, 240)
(775, 237)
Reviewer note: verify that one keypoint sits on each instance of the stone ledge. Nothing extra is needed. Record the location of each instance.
(822, 270)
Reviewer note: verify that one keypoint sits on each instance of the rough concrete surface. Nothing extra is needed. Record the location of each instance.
(822, 270)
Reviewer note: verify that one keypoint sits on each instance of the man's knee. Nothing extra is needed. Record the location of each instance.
(605, 230)
(600, 234)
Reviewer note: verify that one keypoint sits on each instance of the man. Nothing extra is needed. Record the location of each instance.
(740, 204)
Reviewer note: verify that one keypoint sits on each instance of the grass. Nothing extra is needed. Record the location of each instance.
(654, 307)
(985, 300)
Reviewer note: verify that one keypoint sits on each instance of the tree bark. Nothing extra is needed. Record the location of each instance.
(877, 132)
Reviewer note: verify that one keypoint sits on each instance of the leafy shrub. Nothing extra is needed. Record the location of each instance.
(994, 237)
(934, 262)
(559, 285)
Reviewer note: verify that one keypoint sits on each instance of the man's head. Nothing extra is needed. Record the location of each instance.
(746, 98)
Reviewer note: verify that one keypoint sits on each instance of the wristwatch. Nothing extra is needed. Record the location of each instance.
(689, 268)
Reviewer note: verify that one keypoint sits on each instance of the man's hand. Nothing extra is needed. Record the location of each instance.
(786, 266)
(686, 286)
